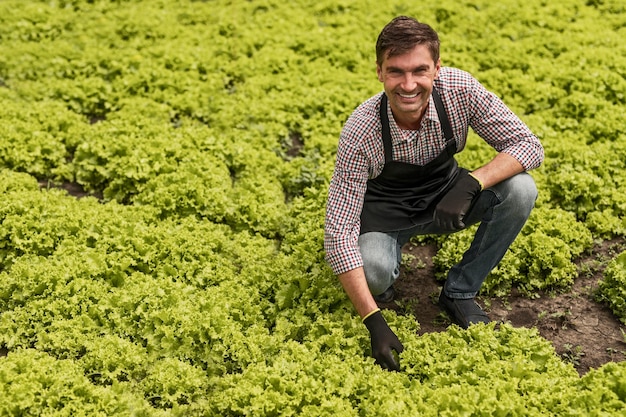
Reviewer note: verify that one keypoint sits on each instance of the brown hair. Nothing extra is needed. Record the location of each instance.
(401, 35)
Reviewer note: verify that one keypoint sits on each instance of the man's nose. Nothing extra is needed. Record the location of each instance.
(408, 82)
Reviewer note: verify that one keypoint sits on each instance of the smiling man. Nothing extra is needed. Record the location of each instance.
(396, 177)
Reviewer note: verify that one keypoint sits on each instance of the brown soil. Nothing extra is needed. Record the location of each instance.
(72, 188)
(582, 331)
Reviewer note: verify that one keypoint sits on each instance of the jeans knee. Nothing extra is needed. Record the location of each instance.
(380, 260)
(522, 193)
(379, 273)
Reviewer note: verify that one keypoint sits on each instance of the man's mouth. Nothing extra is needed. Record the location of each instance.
(408, 95)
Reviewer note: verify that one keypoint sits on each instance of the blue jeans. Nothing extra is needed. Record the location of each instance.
(502, 211)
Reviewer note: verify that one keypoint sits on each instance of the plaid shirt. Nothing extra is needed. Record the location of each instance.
(360, 154)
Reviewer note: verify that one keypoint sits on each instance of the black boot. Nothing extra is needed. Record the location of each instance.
(386, 297)
(463, 312)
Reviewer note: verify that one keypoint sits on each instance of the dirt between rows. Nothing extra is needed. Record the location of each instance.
(582, 331)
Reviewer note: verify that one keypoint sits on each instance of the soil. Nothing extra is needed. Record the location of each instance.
(582, 331)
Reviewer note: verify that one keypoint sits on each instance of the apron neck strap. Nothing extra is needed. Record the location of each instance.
(443, 116)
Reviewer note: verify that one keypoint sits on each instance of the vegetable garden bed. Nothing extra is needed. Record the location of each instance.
(189, 278)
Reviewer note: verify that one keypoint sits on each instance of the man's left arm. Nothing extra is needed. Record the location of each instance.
(518, 148)
(501, 167)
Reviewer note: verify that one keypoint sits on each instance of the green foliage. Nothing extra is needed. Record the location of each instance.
(504, 372)
(612, 288)
(33, 383)
(607, 383)
(194, 283)
(588, 182)
(14, 181)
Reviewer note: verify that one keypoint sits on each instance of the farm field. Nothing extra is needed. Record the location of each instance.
(164, 167)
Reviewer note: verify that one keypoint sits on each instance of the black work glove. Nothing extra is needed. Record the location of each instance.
(383, 341)
(455, 204)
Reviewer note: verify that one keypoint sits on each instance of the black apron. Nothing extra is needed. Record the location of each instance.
(405, 195)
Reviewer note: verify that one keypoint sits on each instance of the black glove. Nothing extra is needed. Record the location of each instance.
(455, 204)
(383, 341)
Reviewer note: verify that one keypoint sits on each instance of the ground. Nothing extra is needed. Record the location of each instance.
(582, 331)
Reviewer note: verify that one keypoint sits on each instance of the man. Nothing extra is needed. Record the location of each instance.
(396, 177)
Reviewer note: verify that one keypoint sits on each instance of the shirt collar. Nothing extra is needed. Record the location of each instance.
(430, 116)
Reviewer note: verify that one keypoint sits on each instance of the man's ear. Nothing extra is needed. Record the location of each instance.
(437, 68)
(379, 73)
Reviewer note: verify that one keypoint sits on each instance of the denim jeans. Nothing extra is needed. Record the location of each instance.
(502, 211)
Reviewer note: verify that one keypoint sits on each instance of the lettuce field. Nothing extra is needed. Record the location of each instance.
(164, 166)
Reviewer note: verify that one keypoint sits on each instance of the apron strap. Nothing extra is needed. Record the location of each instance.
(443, 116)
(384, 119)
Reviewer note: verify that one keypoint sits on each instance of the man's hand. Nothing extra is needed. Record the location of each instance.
(455, 204)
(383, 341)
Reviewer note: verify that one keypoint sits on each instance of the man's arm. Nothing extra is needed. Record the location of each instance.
(384, 341)
(343, 209)
(501, 167)
(358, 292)
(503, 130)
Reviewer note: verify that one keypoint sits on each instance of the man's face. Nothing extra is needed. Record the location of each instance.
(408, 83)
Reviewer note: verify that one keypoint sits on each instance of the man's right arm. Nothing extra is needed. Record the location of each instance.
(355, 286)
(342, 223)
(384, 340)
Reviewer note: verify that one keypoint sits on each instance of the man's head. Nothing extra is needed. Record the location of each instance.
(401, 35)
(407, 63)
